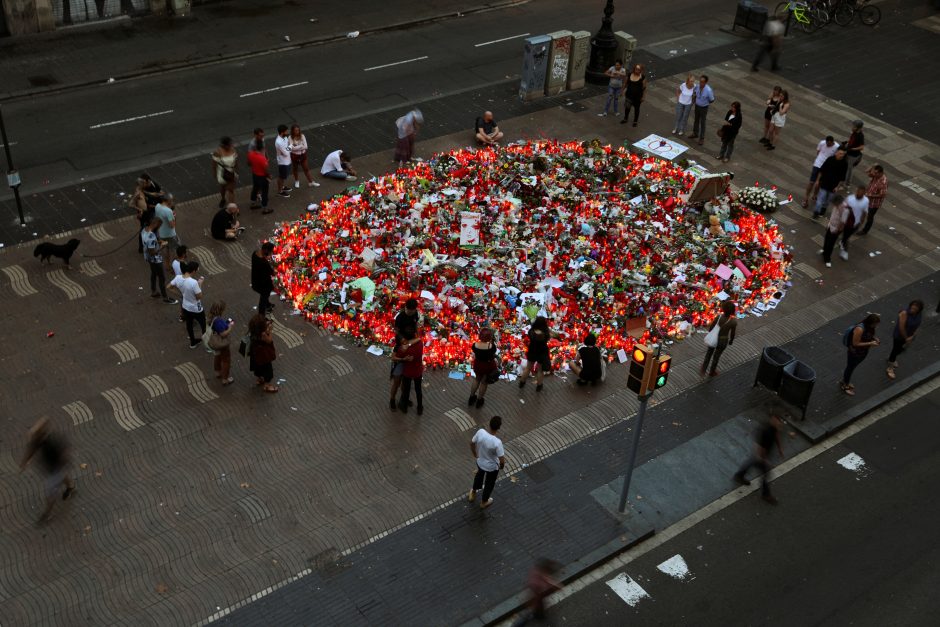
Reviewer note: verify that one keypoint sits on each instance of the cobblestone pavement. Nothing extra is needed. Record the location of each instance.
(193, 497)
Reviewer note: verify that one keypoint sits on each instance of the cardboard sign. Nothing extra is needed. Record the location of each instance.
(470, 223)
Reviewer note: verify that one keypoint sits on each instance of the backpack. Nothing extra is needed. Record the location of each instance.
(847, 335)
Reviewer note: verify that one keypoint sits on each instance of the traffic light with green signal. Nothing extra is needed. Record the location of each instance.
(660, 372)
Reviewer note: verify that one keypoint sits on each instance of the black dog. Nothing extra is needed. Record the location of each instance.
(62, 251)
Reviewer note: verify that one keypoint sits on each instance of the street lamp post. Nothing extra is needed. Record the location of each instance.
(603, 48)
(13, 177)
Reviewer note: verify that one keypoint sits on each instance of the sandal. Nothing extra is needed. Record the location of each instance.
(890, 373)
(271, 389)
(227, 381)
(847, 389)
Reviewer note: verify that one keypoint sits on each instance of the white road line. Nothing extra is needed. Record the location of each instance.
(669, 41)
(675, 567)
(496, 41)
(133, 119)
(270, 89)
(630, 591)
(379, 67)
(10, 144)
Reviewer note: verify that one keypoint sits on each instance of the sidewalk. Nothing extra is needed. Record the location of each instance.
(441, 569)
(126, 48)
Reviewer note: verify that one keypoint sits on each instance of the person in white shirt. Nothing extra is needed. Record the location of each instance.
(338, 165)
(858, 204)
(298, 155)
(191, 289)
(824, 149)
(684, 94)
(491, 458)
(617, 74)
(282, 148)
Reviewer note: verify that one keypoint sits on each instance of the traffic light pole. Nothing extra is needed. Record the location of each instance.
(631, 460)
(12, 176)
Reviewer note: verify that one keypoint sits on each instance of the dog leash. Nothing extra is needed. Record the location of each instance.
(115, 250)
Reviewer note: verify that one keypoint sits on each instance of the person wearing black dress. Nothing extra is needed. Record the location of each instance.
(484, 366)
(537, 353)
(634, 92)
(729, 131)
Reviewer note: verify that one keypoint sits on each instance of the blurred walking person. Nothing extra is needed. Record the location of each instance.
(55, 460)
(490, 456)
(261, 273)
(684, 94)
(840, 215)
(407, 128)
(485, 367)
(860, 341)
(767, 436)
(876, 191)
(224, 161)
(261, 352)
(727, 325)
(542, 582)
(771, 44)
(904, 330)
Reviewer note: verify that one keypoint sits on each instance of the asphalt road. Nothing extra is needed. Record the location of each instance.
(843, 547)
(98, 131)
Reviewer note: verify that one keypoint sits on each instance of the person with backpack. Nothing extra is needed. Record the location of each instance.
(858, 340)
(485, 367)
(904, 329)
(727, 325)
(841, 214)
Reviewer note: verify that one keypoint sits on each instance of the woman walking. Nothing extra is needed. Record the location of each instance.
(412, 352)
(773, 102)
(861, 339)
(727, 325)
(537, 353)
(634, 93)
(407, 128)
(684, 94)
(484, 366)
(298, 156)
(729, 131)
(262, 353)
(904, 330)
(220, 341)
(778, 120)
(224, 161)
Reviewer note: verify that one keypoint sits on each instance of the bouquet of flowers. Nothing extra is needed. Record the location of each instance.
(758, 199)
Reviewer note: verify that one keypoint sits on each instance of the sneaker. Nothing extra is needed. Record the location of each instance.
(844, 255)
(740, 479)
(675, 132)
(284, 193)
(171, 301)
(538, 387)
(634, 125)
(419, 409)
(821, 251)
(828, 264)
(890, 373)
(313, 184)
(486, 503)
(602, 115)
(623, 121)
(762, 140)
(351, 178)
(194, 344)
(297, 184)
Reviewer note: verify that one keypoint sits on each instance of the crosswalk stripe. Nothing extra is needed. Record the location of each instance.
(630, 591)
(99, 234)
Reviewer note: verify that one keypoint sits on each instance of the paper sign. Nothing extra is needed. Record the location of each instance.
(723, 272)
(622, 355)
(743, 268)
(469, 228)
(427, 295)
(375, 350)
(722, 295)
(456, 374)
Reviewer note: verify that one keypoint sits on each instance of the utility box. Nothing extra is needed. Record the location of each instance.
(626, 44)
(580, 54)
(534, 67)
(559, 59)
(181, 8)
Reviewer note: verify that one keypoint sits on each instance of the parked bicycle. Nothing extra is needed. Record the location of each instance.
(846, 10)
(809, 15)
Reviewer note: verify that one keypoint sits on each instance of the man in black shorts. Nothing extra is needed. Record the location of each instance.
(53, 455)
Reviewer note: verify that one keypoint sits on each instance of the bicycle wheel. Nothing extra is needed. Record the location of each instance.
(821, 16)
(843, 14)
(870, 15)
(807, 23)
(781, 10)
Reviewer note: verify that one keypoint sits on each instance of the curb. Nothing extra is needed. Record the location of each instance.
(307, 43)
(569, 573)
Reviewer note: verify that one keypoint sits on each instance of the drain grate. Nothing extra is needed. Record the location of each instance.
(43, 80)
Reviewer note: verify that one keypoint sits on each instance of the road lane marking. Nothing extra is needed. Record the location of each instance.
(630, 591)
(669, 41)
(676, 568)
(133, 119)
(379, 67)
(91, 268)
(19, 281)
(270, 89)
(496, 41)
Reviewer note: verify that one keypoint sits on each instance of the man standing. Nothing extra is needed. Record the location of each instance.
(282, 148)
(831, 174)
(257, 136)
(260, 179)
(53, 454)
(771, 44)
(854, 147)
(191, 289)
(338, 165)
(824, 149)
(702, 96)
(876, 192)
(766, 437)
(153, 255)
(840, 215)
(858, 205)
(487, 131)
(491, 458)
(167, 216)
(261, 273)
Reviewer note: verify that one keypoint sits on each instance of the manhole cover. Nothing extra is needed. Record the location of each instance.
(44, 80)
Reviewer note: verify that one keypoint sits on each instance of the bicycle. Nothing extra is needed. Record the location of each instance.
(810, 16)
(846, 10)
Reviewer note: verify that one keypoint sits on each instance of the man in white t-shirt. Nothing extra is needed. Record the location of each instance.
(191, 289)
(338, 165)
(824, 149)
(282, 148)
(490, 456)
(858, 205)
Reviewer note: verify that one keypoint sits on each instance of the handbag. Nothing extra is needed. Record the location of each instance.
(711, 338)
(721, 131)
(243, 345)
(217, 342)
(493, 376)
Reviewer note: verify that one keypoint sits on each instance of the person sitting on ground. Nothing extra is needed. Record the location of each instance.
(588, 365)
(338, 165)
(486, 129)
(225, 223)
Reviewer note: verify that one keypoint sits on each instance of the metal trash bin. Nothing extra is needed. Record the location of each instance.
(797, 383)
(751, 16)
(770, 368)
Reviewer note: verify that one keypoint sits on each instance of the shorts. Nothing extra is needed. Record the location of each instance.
(398, 368)
(172, 243)
(283, 171)
(814, 175)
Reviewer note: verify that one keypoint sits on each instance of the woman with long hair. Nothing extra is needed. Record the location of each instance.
(537, 353)
(484, 365)
(298, 156)
(685, 92)
(729, 131)
(860, 341)
(727, 325)
(219, 341)
(398, 367)
(773, 102)
(634, 93)
(778, 120)
(262, 350)
(224, 162)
